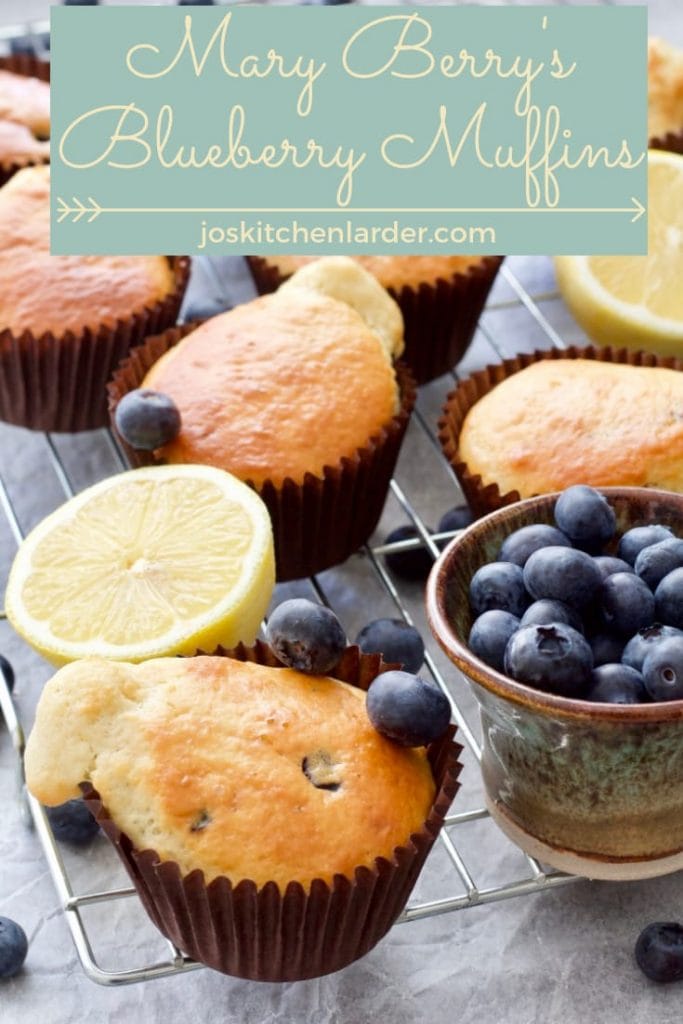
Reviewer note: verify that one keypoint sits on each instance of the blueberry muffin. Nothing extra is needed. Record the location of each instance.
(665, 92)
(66, 321)
(296, 393)
(24, 114)
(440, 297)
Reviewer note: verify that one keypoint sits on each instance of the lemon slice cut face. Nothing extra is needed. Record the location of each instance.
(147, 563)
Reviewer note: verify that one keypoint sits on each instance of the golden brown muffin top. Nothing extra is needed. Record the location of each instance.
(277, 387)
(665, 89)
(205, 760)
(18, 145)
(40, 292)
(567, 421)
(394, 271)
(26, 101)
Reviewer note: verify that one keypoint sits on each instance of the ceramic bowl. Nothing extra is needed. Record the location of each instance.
(592, 789)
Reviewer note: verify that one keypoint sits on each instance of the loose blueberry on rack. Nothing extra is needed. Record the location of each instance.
(586, 517)
(204, 308)
(609, 565)
(627, 603)
(395, 640)
(407, 709)
(520, 545)
(147, 419)
(490, 636)
(634, 540)
(562, 574)
(669, 599)
(639, 646)
(306, 636)
(553, 658)
(606, 647)
(7, 671)
(663, 670)
(458, 518)
(13, 947)
(72, 822)
(498, 585)
(659, 951)
(414, 564)
(617, 684)
(658, 560)
(545, 612)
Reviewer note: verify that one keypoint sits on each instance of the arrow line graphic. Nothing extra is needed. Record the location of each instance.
(92, 209)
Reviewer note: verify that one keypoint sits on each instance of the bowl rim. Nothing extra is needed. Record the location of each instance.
(496, 682)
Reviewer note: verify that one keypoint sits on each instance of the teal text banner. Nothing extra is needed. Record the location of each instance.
(349, 130)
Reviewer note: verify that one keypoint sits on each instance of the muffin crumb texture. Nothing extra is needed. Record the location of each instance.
(233, 768)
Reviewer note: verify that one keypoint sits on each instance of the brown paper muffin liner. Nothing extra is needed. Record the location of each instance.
(483, 498)
(32, 67)
(673, 142)
(58, 383)
(265, 934)
(324, 520)
(439, 319)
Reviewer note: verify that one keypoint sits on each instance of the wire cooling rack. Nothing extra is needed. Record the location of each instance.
(465, 888)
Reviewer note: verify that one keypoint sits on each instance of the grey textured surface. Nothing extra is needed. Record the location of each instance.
(562, 956)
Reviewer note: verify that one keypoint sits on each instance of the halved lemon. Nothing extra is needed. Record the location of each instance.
(636, 301)
(147, 563)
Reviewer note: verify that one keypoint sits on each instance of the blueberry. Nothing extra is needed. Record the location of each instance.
(545, 612)
(490, 635)
(608, 565)
(147, 419)
(617, 684)
(586, 517)
(204, 308)
(413, 565)
(562, 574)
(553, 658)
(395, 640)
(407, 708)
(639, 646)
(606, 647)
(657, 560)
(80, 3)
(458, 518)
(627, 603)
(13, 947)
(195, 3)
(306, 636)
(659, 951)
(72, 822)
(8, 672)
(669, 599)
(498, 585)
(663, 669)
(523, 542)
(633, 541)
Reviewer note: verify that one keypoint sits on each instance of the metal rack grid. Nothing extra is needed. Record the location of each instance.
(534, 880)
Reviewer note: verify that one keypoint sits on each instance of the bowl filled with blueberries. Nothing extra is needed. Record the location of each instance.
(565, 612)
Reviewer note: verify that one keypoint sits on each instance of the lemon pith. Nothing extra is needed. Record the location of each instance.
(160, 560)
(636, 301)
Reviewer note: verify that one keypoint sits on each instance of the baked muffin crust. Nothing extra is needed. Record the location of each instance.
(25, 100)
(665, 88)
(40, 292)
(205, 760)
(393, 271)
(277, 387)
(566, 421)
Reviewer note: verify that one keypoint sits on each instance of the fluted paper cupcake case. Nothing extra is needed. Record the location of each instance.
(673, 142)
(59, 382)
(483, 498)
(32, 67)
(439, 319)
(324, 520)
(265, 934)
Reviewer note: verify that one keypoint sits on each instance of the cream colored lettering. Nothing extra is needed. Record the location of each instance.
(117, 136)
(558, 69)
(250, 66)
(441, 135)
(406, 23)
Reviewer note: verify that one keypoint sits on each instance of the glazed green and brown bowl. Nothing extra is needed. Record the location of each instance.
(592, 789)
